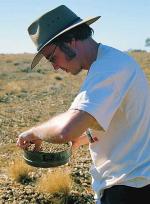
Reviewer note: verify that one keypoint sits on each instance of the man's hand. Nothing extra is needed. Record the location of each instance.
(82, 140)
(27, 138)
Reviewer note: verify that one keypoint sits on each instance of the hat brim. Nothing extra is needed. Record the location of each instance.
(39, 55)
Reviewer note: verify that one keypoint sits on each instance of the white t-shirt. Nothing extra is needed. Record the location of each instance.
(116, 93)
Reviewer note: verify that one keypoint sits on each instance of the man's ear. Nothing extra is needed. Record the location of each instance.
(68, 49)
(72, 44)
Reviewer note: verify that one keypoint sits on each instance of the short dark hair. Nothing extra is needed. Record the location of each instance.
(80, 32)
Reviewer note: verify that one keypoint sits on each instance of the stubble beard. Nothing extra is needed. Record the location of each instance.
(78, 71)
(70, 55)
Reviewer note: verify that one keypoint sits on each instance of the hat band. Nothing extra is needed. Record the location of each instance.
(78, 19)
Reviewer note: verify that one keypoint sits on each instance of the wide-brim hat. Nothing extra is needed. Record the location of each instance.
(53, 24)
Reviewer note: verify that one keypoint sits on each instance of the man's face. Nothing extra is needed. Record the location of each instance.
(64, 57)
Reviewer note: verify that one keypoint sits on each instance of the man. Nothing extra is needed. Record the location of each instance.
(114, 101)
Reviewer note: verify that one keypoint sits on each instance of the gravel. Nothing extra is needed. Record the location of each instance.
(51, 148)
(12, 192)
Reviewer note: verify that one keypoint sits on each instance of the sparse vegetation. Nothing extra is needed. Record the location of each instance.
(57, 181)
(19, 171)
(147, 42)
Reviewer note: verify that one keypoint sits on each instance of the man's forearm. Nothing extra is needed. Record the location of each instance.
(51, 131)
(60, 129)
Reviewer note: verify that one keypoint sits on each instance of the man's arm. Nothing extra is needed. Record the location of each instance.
(60, 129)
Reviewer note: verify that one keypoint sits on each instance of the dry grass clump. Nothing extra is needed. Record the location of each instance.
(58, 181)
(19, 171)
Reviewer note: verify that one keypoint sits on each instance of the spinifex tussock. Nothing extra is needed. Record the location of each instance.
(19, 171)
(58, 181)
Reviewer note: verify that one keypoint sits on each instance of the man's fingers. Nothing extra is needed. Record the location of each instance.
(26, 138)
(24, 144)
(20, 141)
(37, 145)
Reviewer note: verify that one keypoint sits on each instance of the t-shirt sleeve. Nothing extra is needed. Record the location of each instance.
(102, 93)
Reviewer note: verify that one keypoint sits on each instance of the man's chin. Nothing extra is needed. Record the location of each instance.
(76, 71)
